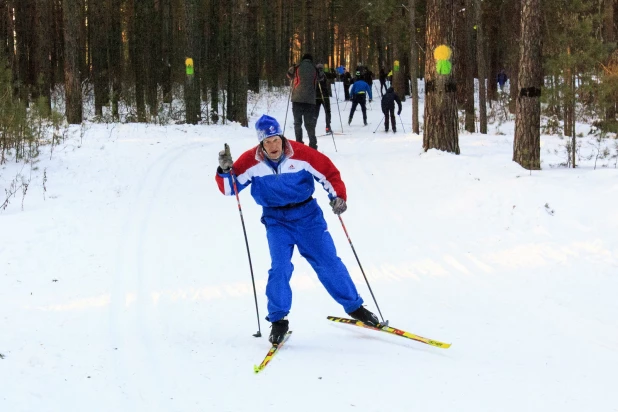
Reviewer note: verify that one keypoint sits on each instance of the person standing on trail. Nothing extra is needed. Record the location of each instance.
(388, 108)
(322, 96)
(282, 174)
(304, 79)
(347, 82)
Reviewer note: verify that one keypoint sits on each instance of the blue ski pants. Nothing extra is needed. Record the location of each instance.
(305, 228)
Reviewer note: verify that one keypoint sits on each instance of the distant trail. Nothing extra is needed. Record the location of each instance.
(134, 325)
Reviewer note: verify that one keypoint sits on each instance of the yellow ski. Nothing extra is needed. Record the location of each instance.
(392, 331)
(271, 353)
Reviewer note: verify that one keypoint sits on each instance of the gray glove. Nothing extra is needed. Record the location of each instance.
(339, 206)
(225, 159)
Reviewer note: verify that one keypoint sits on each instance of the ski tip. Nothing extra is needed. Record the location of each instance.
(256, 369)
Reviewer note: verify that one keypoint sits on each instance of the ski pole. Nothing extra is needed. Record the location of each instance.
(361, 268)
(242, 220)
(288, 108)
(317, 113)
(339, 111)
(379, 124)
(402, 128)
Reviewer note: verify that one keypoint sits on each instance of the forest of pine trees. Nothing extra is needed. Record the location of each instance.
(560, 56)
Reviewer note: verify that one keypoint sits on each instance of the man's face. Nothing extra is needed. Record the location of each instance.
(273, 146)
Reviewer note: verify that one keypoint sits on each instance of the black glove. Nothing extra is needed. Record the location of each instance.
(225, 159)
(399, 113)
(339, 206)
(370, 100)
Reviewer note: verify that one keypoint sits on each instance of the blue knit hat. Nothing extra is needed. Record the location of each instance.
(267, 126)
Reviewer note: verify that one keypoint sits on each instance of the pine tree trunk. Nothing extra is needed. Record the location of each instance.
(470, 121)
(152, 55)
(71, 10)
(115, 59)
(237, 85)
(440, 131)
(413, 66)
(460, 52)
(527, 143)
(44, 37)
(482, 67)
(192, 89)
(398, 72)
(515, 37)
(22, 17)
(97, 14)
(254, 59)
(308, 46)
(166, 50)
(609, 37)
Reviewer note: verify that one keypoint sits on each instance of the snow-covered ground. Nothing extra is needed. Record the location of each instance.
(125, 285)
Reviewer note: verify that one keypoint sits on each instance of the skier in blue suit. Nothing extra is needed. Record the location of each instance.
(282, 174)
(359, 91)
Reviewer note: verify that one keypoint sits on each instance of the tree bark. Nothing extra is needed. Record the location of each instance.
(71, 11)
(115, 58)
(44, 37)
(609, 37)
(413, 66)
(482, 66)
(237, 85)
(440, 131)
(192, 89)
(527, 143)
(97, 28)
(470, 121)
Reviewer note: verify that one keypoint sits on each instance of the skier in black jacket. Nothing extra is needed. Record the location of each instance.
(347, 82)
(322, 96)
(388, 108)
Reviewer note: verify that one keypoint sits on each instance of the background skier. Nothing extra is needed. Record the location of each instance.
(322, 96)
(304, 79)
(388, 108)
(359, 92)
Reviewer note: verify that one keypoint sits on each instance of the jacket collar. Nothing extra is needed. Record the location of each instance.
(288, 152)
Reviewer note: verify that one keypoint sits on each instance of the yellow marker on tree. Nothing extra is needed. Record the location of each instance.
(189, 66)
(396, 66)
(443, 54)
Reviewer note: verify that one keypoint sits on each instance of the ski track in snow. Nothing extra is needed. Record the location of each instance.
(134, 325)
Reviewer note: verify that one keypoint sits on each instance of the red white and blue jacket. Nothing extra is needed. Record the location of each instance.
(291, 182)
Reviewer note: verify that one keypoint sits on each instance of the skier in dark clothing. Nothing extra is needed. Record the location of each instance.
(502, 78)
(383, 80)
(367, 76)
(347, 82)
(388, 108)
(359, 92)
(322, 96)
(304, 79)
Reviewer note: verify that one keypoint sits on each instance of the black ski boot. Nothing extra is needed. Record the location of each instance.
(278, 330)
(365, 316)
